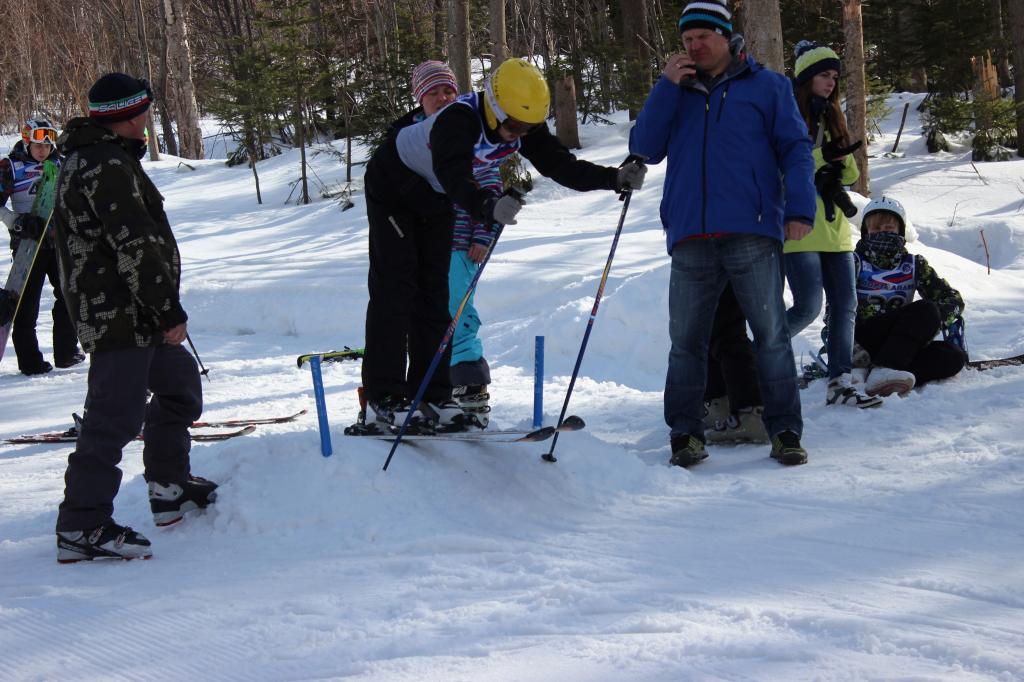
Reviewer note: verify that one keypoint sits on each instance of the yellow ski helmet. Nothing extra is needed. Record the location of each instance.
(516, 89)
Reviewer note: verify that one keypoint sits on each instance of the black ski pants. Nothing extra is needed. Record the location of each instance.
(903, 339)
(23, 331)
(407, 312)
(115, 411)
(732, 364)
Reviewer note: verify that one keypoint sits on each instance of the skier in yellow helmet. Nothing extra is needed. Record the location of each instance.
(412, 181)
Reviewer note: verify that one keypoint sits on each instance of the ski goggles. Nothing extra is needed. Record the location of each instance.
(518, 128)
(43, 135)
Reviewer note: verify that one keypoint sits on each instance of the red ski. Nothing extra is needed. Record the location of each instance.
(246, 422)
(71, 435)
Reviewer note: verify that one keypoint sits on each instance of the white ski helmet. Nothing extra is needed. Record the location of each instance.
(39, 131)
(884, 203)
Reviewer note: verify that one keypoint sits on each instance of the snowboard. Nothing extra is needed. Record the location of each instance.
(25, 256)
(331, 356)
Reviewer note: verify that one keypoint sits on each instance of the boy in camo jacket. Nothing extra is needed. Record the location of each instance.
(121, 272)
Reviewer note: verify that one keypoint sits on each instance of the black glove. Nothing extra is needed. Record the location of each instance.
(828, 183)
(29, 226)
(8, 302)
(831, 150)
(631, 174)
(503, 209)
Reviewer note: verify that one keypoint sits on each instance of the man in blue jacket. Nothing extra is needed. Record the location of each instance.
(740, 181)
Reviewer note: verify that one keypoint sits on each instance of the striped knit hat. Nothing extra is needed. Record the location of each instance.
(812, 59)
(710, 14)
(429, 75)
(118, 97)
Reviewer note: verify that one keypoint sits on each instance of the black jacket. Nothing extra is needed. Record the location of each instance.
(120, 267)
(452, 140)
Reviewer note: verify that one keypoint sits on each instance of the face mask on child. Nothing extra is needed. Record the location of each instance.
(883, 248)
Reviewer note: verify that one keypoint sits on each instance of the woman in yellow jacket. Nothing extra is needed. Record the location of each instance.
(823, 261)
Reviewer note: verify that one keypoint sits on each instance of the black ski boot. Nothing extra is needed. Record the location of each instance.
(687, 450)
(786, 449)
(76, 358)
(36, 368)
(474, 401)
(169, 502)
(109, 541)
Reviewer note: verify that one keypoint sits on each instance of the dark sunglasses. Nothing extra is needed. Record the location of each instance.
(518, 127)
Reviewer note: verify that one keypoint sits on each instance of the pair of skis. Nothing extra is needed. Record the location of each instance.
(246, 426)
(982, 365)
(570, 423)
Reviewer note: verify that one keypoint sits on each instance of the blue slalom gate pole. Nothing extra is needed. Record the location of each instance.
(321, 406)
(538, 382)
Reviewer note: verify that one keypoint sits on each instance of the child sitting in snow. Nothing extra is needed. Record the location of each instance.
(897, 331)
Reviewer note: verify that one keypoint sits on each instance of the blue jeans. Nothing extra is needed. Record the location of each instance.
(700, 270)
(809, 273)
(466, 345)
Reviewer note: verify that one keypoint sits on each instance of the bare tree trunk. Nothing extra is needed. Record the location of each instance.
(161, 86)
(1016, 19)
(251, 148)
(638, 70)
(547, 36)
(300, 140)
(179, 63)
(856, 87)
(986, 80)
(918, 80)
(762, 29)
(458, 43)
(1000, 58)
(605, 67)
(440, 27)
(905, 15)
(566, 128)
(499, 46)
(154, 148)
(322, 59)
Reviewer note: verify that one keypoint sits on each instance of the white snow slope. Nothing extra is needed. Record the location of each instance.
(896, 553)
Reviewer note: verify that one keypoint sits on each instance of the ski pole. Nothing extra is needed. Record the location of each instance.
(624, 197)
(446, 339)
(205, 372)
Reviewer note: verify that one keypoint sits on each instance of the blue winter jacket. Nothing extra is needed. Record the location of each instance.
(739, 157)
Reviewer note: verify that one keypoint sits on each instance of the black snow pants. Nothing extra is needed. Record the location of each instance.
(903, 339)
(115, 411)
(732, 364)
(407, 314)
(23, 331)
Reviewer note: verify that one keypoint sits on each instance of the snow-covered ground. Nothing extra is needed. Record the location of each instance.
(896, 553)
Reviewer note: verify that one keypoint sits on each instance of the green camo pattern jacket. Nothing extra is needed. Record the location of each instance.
(928, 285)
(120, 267)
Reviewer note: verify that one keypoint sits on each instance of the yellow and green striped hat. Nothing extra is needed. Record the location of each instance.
(812, 59)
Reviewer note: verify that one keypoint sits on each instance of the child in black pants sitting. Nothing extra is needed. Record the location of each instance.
(897, 331)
